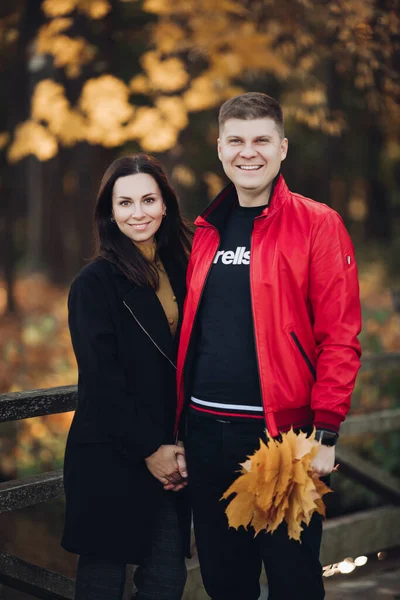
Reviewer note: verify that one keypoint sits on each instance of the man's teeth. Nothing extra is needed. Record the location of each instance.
(250, 167)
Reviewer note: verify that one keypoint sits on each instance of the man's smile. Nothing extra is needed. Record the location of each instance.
(249, 167)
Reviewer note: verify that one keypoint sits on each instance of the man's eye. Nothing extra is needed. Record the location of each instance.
(235, 141)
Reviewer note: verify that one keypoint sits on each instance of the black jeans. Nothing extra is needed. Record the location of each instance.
(160, 576)
(230, 560)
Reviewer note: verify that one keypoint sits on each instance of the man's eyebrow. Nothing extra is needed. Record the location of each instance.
(234, 137)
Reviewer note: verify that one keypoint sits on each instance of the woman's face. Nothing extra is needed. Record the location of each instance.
(138, 207)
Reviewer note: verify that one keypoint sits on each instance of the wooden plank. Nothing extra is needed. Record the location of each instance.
(376, 422)
(351, 465)
(361, 533)
(28, 491)
(34, 580)
(36, 403)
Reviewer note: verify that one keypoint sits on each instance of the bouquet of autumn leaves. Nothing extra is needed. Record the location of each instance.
(276, 485)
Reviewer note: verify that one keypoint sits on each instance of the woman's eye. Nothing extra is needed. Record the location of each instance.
(124, 203)
(149, 200)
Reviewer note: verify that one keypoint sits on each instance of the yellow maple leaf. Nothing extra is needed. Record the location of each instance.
(277, 485)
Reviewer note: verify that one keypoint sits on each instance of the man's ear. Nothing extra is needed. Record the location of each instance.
(219, 149)
(284, 148)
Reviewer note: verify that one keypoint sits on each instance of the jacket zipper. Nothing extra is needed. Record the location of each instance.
(304, 354)
(195, 316)
(149, 336)
(267, 418)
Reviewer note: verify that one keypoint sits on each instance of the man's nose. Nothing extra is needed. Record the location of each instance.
(248, 151)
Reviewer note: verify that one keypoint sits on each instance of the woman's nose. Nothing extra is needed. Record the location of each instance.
(137, 211)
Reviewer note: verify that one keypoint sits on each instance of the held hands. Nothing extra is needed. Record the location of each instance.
(168, 465)
(324, 461)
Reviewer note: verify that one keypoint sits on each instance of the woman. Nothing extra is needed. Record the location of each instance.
(121, 462)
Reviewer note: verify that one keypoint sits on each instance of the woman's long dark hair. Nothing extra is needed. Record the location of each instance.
(173, 236)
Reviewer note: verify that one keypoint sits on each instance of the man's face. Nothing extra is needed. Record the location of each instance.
(251, 152)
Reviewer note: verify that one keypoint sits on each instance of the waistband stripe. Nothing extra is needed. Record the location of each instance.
(227, 406)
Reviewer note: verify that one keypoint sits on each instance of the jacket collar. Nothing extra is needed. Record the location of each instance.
(146, 309)
(218, 212)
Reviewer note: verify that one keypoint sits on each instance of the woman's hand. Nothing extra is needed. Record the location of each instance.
(168, 465)
(324, 461)
(181, 477)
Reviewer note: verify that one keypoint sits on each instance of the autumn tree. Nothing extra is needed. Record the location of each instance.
(129, 74)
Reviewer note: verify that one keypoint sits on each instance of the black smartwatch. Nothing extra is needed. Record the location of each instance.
(327, 438)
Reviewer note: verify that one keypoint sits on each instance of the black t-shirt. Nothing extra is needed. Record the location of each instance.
(225, 378)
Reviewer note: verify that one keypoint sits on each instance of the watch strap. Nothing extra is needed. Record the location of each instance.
(327, 438)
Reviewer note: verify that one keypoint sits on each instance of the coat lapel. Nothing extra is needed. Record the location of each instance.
(147, 311)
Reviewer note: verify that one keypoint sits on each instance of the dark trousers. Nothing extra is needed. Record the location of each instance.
(160, 576)
(230, 560)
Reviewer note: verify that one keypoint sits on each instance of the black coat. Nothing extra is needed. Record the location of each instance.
(126, 410)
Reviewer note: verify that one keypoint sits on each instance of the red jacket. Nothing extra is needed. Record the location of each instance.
(305, 303)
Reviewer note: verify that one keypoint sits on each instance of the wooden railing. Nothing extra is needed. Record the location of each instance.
(20, 493)
(360, 533)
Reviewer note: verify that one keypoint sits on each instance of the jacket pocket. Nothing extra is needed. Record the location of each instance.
(303, 354)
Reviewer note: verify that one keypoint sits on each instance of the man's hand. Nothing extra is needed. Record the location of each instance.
(164, 466)
(180, 479)
(324, 461)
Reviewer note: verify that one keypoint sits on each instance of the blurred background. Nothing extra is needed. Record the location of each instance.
(85, 81)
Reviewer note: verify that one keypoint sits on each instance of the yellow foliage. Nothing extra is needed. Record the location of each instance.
(208, 91)
(95, 9)
(167, 75)
(160, 140)
(173, 109)
(184, 7)
(159, 7)
(201, 95)
(314, 96)
(139, 84)
(32, 138)
(153, 131)
(228, 63)
(167, 36)
(214, 184)
(48, 101)
(184, 175)
(58, 8)
(55, 26)
(105, 102)
(50, 105)
(146, 120)
(4, 138)
(69, 53)
(276, 485)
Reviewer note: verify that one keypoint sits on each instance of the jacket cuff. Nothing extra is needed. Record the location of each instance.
(325, 419)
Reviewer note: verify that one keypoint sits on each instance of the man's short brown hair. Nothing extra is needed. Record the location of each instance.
(253, 105)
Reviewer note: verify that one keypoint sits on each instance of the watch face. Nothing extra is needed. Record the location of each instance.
(327, 438)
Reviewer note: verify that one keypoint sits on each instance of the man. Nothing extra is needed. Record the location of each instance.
(269, 339)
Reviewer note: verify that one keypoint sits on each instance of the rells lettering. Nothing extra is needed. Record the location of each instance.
(240, 256)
